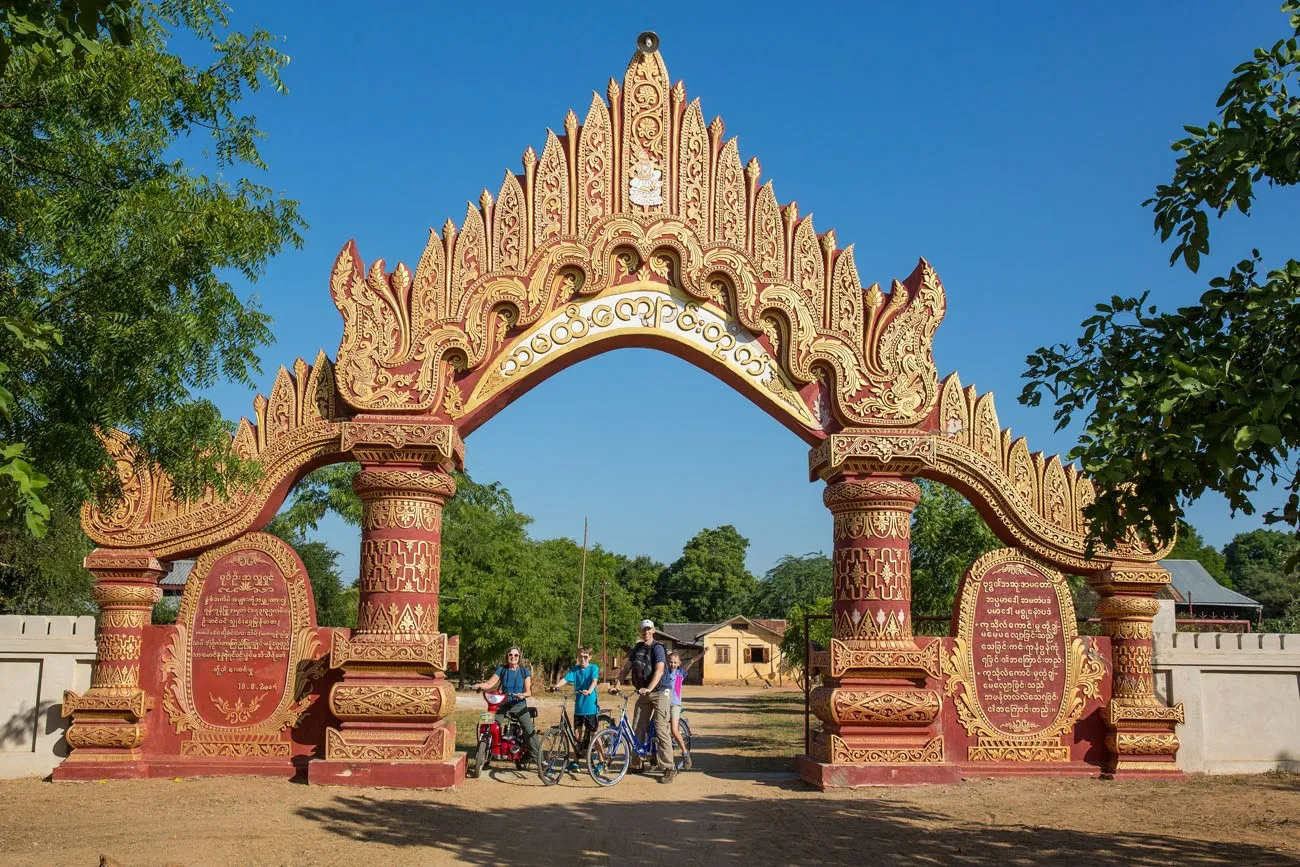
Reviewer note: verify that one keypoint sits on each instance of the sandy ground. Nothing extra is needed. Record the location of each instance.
(740, 807)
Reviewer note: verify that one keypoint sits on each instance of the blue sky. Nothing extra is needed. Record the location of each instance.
(1010, 144)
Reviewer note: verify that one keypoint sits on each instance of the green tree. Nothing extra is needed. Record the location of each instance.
(709, 581)
(948, 536)
(1202, 398)
(1190, 546)
(793, 644)
(1256, 562)
(115, 253)
(792, 581)
(44, 575)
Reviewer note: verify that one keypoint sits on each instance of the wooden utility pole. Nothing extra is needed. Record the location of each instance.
(582, 586)
(604, 653)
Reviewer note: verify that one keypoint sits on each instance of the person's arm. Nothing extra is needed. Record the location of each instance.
(528, 686)
(622, 672)
(489, 683)
(595, 679)
(564, 678)
(694, 659)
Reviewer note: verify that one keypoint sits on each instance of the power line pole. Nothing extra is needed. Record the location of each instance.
(582, 587)
(604, 652)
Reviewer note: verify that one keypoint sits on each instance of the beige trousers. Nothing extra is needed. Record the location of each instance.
(657, 704)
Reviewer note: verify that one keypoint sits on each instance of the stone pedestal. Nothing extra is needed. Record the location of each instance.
(880, 704)
(394, 699)
(108, 722)
(1141, 737)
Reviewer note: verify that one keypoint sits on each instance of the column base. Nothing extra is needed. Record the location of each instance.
(1144, 770)
(446, 774)
(827, 775)
(82, 766)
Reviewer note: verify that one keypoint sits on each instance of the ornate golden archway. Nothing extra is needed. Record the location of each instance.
(641, 226)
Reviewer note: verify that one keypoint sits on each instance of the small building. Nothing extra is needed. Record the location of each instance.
(738, 650)
(1197, 595)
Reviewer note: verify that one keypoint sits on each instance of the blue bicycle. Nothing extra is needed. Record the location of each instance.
(610, 753)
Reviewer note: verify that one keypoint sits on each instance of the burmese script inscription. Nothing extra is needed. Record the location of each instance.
(1018, 672)
(245, 624)
(1019, 649)
(242, 636)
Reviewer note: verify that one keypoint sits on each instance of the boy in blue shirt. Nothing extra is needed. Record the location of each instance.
(585, 676)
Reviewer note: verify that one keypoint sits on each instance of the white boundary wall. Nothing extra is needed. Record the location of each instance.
(40, 657)
(1241, 693)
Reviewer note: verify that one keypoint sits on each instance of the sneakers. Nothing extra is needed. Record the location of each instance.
(686, 762)
(669, 775)
(573, 766)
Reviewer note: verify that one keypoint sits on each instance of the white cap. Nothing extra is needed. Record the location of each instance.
(647, 624)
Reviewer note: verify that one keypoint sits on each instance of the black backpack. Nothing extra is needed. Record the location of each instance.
(641, 662)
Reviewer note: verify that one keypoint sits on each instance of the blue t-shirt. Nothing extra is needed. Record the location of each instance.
(512, 679)
(584, 677)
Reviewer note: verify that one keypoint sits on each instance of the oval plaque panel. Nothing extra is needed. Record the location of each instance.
(1018, 670)
(234, 671)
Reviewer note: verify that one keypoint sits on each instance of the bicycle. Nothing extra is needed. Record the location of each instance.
(609, 755)
(560, 746)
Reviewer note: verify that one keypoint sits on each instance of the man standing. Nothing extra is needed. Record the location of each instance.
(647, 662)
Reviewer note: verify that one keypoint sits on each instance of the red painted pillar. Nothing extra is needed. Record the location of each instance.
(394, 700)
(880, 704)
(108, 722)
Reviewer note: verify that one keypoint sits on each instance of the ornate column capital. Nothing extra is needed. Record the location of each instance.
(872, 450)
(396, 439)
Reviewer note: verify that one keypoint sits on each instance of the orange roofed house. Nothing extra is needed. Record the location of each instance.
(740, 650)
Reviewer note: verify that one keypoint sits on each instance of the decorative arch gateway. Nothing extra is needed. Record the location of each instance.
(640, 226)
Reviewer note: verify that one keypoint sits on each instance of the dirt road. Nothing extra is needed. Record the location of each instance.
(741, 807)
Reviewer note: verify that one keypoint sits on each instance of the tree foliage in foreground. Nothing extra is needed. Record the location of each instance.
(1202, 398)
(115, 253)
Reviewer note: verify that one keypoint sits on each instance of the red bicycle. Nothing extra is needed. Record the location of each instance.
(498, 741)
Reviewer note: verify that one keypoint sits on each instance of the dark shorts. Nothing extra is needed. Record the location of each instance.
(589, 721)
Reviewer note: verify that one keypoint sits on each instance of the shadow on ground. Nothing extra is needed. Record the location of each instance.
(729, 829)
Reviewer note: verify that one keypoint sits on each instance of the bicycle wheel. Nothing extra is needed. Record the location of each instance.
(480, 759)
(555, 756)
(686, 739)
(608, 756)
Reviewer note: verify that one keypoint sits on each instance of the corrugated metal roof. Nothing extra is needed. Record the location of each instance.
(1192, 582)
(685, 633)
(179, 574)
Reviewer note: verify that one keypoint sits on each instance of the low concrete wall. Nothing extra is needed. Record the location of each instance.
(1241, 693)
(40, 657)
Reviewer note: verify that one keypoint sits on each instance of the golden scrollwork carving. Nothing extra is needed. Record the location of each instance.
(887, 626)
(109, 676)
(428, 653)
(134, 704)
(872, 574)
(929, 753)
(898, 494)
(297, 426)
(373, 484)
(107, 595)
(1143, 743)
(120, 619)
(83, 736)
(876, 524)
(892, 706)
(428, 702)
(115, 646)
(404, 514)
(1133, 630)
(437, 745)
(1127, 606)
(394, 621)
(399, 566)
(209, 749)
(645, 172)
(851, 656)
